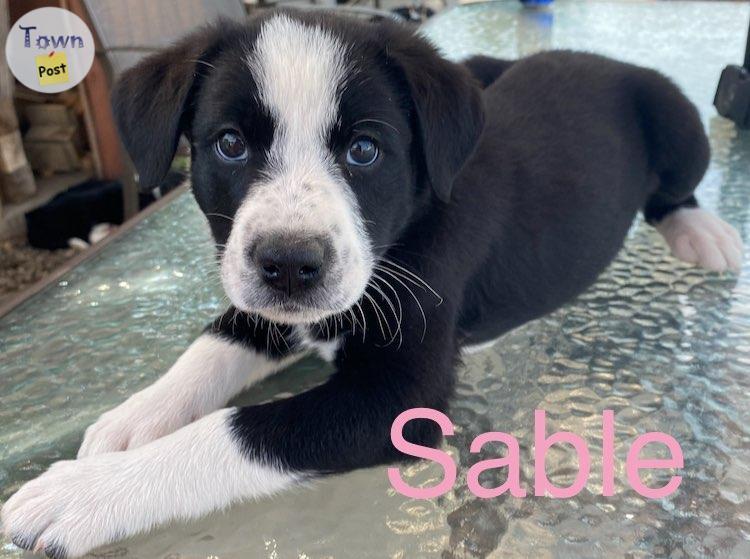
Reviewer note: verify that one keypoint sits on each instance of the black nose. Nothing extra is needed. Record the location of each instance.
(289, 264)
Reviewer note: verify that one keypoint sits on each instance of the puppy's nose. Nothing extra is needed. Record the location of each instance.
(290, 265)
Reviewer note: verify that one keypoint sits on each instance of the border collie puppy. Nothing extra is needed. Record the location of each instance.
(379, 204)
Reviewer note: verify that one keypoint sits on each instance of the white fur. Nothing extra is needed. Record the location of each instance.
(300, 70)
(203, 379)
(478, 348)
(701, 238)
(84, 504)
(326, 350)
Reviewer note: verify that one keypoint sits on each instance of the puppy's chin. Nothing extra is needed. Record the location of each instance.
(300, 317)
(293, 313)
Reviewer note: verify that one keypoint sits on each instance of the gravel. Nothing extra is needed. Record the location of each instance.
(21, 265)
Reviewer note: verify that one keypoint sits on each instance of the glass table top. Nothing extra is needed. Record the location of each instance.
(665, 346)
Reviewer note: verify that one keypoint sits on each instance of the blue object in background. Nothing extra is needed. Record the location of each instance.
(533, 3)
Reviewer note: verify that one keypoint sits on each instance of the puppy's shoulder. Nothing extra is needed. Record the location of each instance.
(573, 76)
(560, 64)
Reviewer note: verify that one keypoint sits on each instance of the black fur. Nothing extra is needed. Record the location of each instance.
(508, 191)
(275, 341)
(486, 69)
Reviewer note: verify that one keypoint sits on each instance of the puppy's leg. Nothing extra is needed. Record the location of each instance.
(82, 504)
(679, 153)
(699, 237)
(217, 366)
(238, 454)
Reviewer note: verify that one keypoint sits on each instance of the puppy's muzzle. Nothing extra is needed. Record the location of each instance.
(291, 265)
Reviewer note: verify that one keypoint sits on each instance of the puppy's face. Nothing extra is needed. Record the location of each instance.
(309, 156)
(302, 163)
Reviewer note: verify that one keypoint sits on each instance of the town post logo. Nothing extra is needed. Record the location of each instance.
(49, 50)
(52, 68)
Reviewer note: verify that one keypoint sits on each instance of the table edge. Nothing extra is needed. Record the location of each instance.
(24, 295)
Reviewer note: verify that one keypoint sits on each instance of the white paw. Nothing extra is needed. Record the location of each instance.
(67, 511)
(144, 417)
(701, 238)
(79, 505)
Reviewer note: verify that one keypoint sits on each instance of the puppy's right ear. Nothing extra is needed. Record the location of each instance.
(153, 102)
(447, 102)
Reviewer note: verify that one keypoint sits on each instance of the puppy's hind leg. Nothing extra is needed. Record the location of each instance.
(679, 155)
(699, 237)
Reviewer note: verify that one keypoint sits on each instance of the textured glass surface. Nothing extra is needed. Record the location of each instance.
(665, 346)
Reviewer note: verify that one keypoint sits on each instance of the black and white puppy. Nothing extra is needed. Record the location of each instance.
(379, 204)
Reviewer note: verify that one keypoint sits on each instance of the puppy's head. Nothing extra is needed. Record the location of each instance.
(315, 141)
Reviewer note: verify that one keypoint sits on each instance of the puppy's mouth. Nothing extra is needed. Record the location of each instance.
(278, 295)
(303, 311)
(296, 266)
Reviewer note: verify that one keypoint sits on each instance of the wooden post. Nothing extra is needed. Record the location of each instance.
(16, 179)
(112, 160)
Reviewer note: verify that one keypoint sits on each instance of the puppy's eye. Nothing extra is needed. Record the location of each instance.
(362, 152)
(231, 147)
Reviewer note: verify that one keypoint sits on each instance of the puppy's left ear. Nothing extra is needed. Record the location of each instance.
(448, 103)
(152, 101)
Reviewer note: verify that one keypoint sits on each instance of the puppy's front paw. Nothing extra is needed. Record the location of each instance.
(67, 511)
(142, 418)
(699, 237)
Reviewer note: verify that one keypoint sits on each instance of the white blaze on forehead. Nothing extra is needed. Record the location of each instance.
(300, 70)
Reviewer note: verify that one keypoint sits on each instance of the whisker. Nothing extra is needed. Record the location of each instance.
(352, 319)
(364, 320)
(419, 305)
(234, 321)
(201, 62)
(399, 316)
(283, 338)
(413, 275)
(377, 314)
(220, 215)
(277, 335)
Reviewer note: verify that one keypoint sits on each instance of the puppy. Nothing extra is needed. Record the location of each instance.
(383, 206)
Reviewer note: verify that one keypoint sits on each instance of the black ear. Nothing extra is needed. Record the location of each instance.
(152, 103)
(448, 104)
